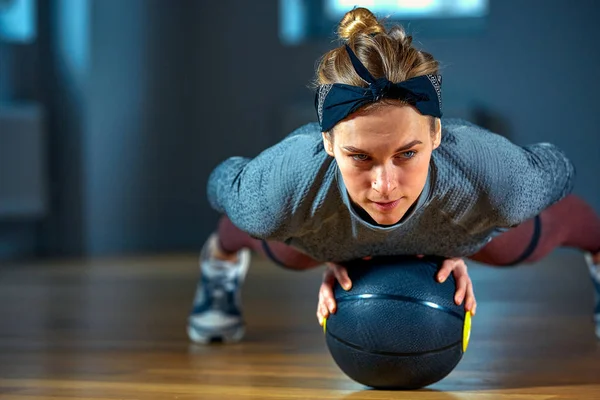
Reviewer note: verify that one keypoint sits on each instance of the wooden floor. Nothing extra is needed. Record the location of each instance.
(115, 329)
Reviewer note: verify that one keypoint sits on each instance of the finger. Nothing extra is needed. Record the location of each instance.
(319, 312)
(461, 289)
(327, 297)
(341, 274)
(322, 311)
(472, 307)
(459, 269)
(326, 290)
(469, 298)
(444, 272)
(331, 305)
(471, 303)
(321, 317)
(322, 314)
(462, 280)
(329, 276)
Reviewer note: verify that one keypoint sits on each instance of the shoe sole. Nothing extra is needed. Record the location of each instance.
(199, 337)
(590, 262)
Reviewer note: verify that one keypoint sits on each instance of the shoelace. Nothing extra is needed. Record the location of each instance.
(595, 272)
(222, 281)
(594, 268)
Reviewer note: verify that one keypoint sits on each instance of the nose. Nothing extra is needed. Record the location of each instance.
(384, 181)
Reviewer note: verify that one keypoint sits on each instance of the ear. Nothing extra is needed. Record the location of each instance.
(328, 143)
(437, 139)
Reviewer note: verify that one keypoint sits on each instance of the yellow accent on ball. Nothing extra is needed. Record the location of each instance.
(324, 325)
(466, 331)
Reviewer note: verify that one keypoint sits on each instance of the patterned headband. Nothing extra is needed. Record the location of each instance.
(334, 102)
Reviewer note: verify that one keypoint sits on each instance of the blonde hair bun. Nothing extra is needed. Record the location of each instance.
(359, 21)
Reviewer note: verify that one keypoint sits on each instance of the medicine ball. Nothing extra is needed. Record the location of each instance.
(397, 327)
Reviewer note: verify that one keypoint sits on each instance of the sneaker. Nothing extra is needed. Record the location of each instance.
(216, 313)
(595, 274)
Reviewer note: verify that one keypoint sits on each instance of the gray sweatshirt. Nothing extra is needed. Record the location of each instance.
(479, 184)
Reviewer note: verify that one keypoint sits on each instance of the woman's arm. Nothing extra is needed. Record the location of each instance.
(510, 183)
(269, 196)
(540, 176)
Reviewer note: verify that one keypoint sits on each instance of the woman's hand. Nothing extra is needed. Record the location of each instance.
(464, 286)
(456, 266)
(327, 304)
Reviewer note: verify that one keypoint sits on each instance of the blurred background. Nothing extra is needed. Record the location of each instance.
(114, 112)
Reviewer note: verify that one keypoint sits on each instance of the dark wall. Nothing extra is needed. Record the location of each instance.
(140, 147)
(63, 69)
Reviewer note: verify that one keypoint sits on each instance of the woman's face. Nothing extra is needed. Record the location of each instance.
(383, 156)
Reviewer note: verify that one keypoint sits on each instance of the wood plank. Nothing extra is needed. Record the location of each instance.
(89, 388)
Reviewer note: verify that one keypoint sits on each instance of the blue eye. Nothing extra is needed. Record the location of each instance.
(409, 154)
(359, 157)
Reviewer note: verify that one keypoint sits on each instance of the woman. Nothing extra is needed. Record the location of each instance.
(383, 174)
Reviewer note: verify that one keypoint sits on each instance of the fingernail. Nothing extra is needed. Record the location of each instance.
(441, 279)
(346, 286)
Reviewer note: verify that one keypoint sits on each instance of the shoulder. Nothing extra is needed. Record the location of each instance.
(469, 148)
(469, 176)
(309, 132)
(300, 151)
(464, 134)
(459, 152)
(298, 164)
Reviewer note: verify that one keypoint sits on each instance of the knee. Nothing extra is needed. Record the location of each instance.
(495, 256)
(296, 262)
(288, 257)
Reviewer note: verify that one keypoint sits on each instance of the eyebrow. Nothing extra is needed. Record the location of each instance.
(407, 146)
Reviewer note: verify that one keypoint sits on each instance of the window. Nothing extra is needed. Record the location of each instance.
(301, 20)
(17, 20)
(405, 9)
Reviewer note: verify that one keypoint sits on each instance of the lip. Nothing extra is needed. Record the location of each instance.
(386, 206)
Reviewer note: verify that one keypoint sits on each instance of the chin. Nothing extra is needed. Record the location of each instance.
(386, 219)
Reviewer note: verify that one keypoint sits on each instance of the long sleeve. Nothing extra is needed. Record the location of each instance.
(540, 175)
(271, 196)
(508, 183)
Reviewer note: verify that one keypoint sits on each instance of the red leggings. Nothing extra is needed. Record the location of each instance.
(570, 222)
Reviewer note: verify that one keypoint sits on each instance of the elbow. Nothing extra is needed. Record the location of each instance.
(517, 207)
(260, 224)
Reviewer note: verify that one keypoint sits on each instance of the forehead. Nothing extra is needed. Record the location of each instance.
(390, 124)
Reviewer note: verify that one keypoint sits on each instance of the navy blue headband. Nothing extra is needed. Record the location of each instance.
(334, 102)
